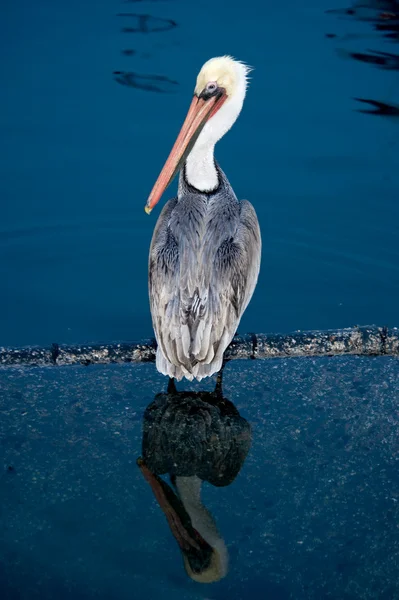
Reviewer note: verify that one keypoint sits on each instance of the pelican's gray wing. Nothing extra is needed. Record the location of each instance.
(237, 264)
(163, 277)
(204, 264)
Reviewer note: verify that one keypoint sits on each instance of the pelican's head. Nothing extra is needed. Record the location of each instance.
(218, 98)
(222, 75)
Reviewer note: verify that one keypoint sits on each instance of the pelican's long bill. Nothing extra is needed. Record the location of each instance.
(179, 521)
(201, 561)
(200, 111)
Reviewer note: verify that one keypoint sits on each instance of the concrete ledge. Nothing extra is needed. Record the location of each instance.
(363, 341)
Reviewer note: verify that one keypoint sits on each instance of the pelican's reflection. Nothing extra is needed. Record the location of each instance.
(194, 437)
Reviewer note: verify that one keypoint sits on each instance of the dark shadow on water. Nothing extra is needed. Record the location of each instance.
(146, 23)
(149, 83)
(371, 11)
(378, 108)
(193, 437)
(384, 17)
(131, 52)
(138, 1)
(384, 60)
(391, 28)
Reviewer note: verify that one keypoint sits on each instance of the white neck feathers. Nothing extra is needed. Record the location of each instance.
(189, 489)
(200, 169)
(200, 166)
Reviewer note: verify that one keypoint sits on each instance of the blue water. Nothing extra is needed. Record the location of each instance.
(79, 153)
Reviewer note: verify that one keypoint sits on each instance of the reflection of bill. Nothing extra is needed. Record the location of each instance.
(379, 108)
(194, 437)
(150, 83)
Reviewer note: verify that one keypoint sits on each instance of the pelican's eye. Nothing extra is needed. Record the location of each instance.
(211, 87)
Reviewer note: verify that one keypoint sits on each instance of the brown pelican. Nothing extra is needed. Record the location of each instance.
(205, 252)
(194, 437)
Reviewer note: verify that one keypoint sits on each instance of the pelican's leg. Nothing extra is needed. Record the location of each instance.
(219, 380)
(171, 386)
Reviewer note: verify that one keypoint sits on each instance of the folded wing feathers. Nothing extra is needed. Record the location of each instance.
(204, 265)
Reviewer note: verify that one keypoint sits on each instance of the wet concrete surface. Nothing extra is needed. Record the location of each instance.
(312, 514)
